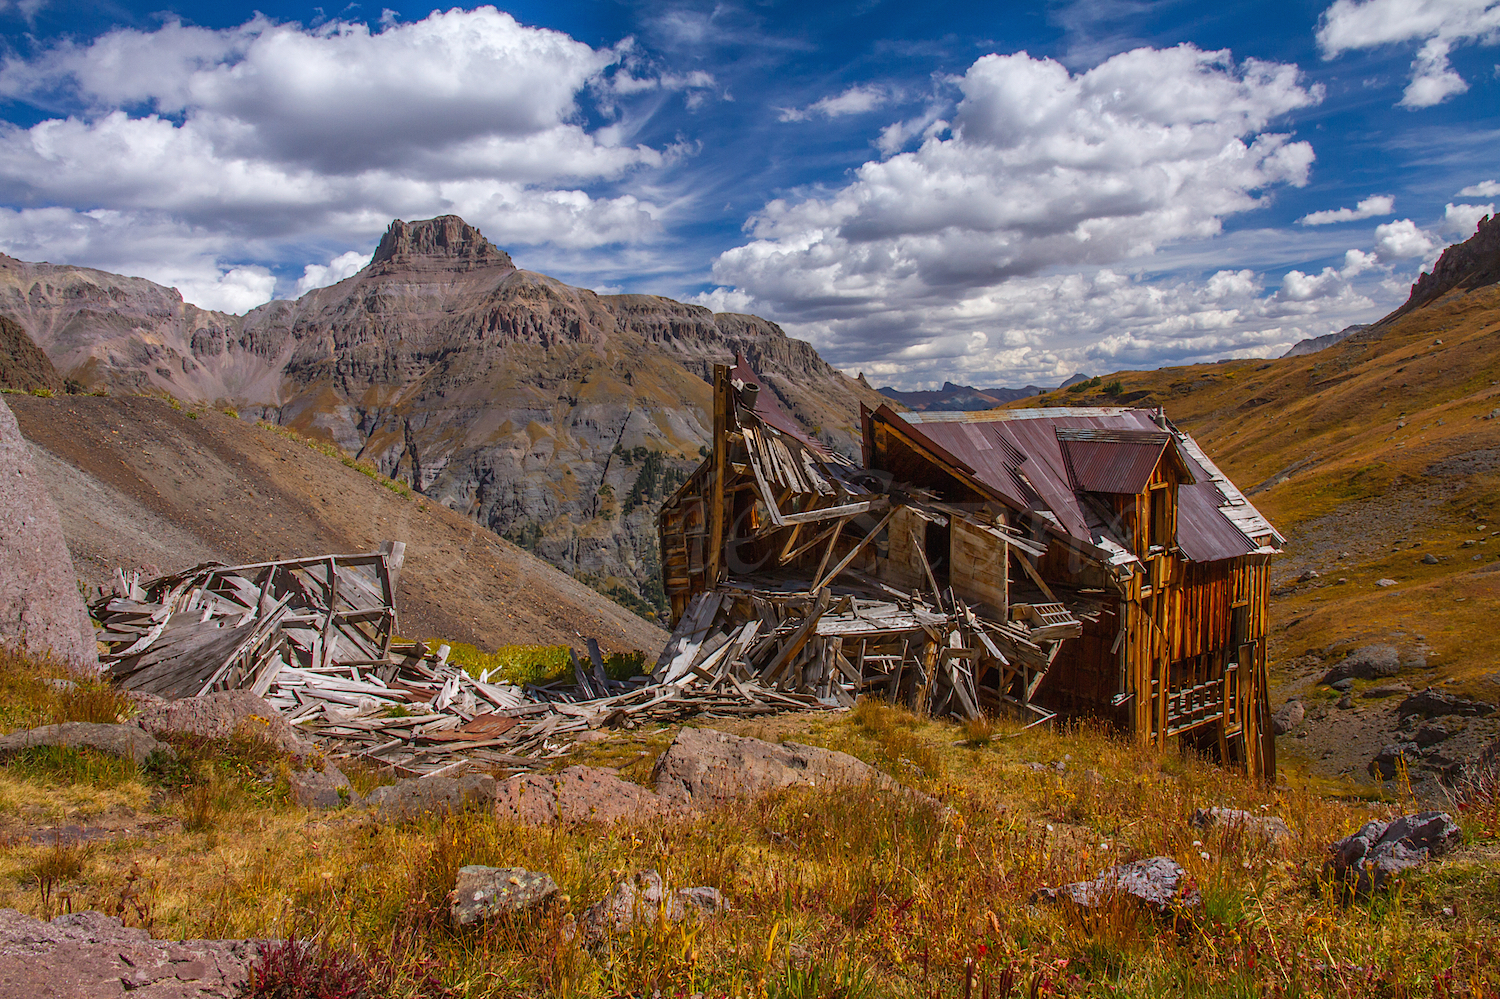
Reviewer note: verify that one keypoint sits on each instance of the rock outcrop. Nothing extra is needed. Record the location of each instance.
(91, 954)
(23, 365)
(40, 606)
(127, 741)
(1369, 858)
(1471, 264)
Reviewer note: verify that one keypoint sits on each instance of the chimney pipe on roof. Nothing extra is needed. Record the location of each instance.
(749, 394)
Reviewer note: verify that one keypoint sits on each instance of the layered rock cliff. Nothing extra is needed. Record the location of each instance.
(548, 413)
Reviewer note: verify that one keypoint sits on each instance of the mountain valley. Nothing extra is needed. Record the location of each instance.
(546, 413)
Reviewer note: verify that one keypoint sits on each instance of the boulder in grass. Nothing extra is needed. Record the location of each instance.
(705, 768)
(1369, 858)
(1267, 828)
(91, 954)
(1159, 883)
(417, 796)
(484, 893)
(1289, 716)
(575, 795)
(1367, 663)
(643, 900)
(323, 789)
(220, 715)
(128, 741)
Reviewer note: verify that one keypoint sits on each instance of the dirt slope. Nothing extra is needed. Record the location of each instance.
(139, 484)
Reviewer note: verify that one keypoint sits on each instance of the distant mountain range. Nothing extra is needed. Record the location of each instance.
(967, 397)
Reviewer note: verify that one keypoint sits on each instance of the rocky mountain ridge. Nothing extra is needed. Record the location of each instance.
(548, 413)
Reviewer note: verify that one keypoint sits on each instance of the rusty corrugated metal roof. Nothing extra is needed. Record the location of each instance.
(1102, 461)
(1103, 442)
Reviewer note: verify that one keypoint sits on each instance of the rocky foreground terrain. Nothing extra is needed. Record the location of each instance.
(547, 413)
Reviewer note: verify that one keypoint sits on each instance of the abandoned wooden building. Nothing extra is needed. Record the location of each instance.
(1076, 562)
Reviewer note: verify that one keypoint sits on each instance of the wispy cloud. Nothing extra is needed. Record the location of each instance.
(1369, 208)
(859, 99)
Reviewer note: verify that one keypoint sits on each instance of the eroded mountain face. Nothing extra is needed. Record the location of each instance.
(549, 414)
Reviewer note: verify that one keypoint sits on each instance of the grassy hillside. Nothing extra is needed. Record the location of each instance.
(850, 894)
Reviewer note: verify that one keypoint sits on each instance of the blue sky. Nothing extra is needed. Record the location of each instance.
(991, 194)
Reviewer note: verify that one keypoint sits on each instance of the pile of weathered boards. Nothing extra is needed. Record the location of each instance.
(315, 637)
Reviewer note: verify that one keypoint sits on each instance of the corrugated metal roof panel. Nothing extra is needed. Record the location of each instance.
(1121, 465)
(1203, 533)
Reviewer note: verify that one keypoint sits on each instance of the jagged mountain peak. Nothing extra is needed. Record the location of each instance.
(1471, 264)
(445, 243)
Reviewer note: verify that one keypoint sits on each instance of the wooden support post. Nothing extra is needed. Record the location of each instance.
(844, 564)
(833, 543)
(716, 495)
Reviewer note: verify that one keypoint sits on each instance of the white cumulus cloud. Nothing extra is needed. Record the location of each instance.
(1377, 204)
(1403, 240)
(1438, 24)
(1040, 171)
(322, 275)
(1484, 189)
(1463, 220)
(276, 132)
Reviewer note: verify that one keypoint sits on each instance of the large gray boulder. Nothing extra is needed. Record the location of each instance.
(220, 715)
(91, 954)
(127, 741)
(1367, 663)
(704, 768)
(575, 795)
(1369, 858)
(40, 606)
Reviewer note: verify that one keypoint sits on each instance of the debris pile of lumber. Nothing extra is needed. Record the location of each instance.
(218, 627)
(314, 637)
(788, 566)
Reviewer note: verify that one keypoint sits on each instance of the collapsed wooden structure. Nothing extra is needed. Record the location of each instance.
(1038, 562)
